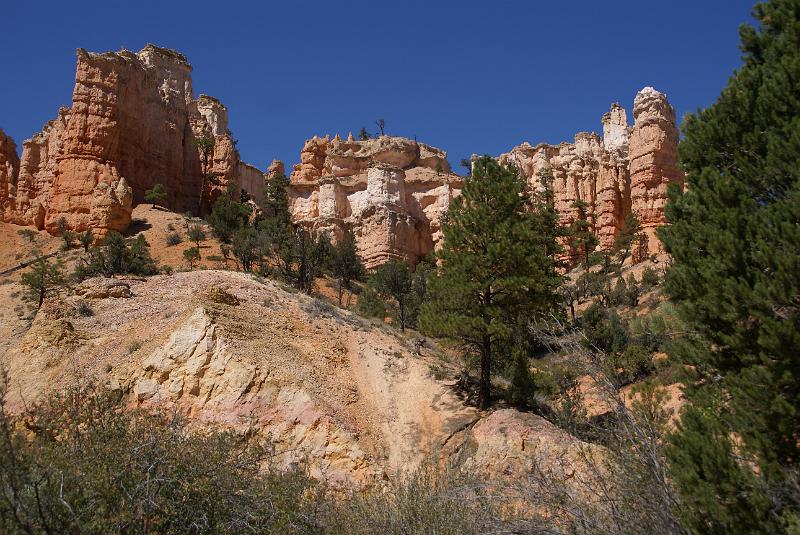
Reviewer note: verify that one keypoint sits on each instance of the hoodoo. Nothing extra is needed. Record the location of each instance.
(134, 122)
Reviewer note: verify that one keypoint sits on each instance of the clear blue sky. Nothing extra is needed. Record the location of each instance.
(466, 76)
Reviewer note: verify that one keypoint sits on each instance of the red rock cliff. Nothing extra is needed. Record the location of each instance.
(134, 122)
(390, 191)
(628, 169)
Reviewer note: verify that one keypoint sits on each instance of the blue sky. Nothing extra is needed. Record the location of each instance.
(466, 76)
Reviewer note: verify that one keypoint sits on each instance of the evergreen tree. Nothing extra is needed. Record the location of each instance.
(191, 255)
(156, 195)
(86, 238)
(227, 217)
(582, 239)
(67, 235)
(117, 256)
(628, 235)
(522, 385)
(244, 244)
(363, 135)
(196, 234)
(735, 240)
(42, 278)
(393, 282)
(346, 265)
(495, 266)
(276, 199)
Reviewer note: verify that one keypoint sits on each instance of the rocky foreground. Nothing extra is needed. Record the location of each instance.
(327, 387)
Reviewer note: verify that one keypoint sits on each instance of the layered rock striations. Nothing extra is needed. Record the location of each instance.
(627, 170)
(390, 191)
(134, 122)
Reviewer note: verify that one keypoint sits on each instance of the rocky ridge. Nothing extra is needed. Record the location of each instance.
(626, 170)
(391, 191)
(134, 122)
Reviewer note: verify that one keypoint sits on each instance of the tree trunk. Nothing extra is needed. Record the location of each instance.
(340, 293)
(485, 384)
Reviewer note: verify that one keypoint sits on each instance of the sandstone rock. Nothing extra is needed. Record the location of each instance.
(627, 170)
(276, 168)
(653, 160)
(9, 166)
(133, 123)
(222, 296)
(105, 289)
(390, 191)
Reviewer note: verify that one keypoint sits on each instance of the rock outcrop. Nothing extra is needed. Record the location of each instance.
(134, 122)
(628, 169)
(653, 159)
(390, 191)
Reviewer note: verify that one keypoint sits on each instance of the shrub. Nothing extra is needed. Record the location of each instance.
(318, 307)
(117, 255)
(86, 239)
(27, 234)
(156, 195)
(173, 238)
(650, 278)
(604, 328)
(632, 364)
(83, 309)
(370, 304)
(83, 465)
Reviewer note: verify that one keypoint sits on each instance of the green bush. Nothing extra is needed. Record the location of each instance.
(604, 328)
(173, 238)
(650, 279)
(115, 256)
(632, 364)
(79, 464)
(370, 304)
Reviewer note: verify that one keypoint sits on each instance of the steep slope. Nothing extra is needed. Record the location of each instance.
(329, 389)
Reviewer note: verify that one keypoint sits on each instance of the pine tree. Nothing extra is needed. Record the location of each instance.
(346, 265)
(735, 240)
(393, 282)
(196, 234)
(156, 195)
(191, 255)
(276, 198)
(43, 277)
(227, 217)
(495, 266)
(86, 238)
(582, 239)
(628, 235)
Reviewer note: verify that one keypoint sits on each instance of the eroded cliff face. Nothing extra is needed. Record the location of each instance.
(628, 169)
(134, 122)
(390, 191)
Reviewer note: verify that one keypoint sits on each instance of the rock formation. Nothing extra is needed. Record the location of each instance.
(628, 169)
(653, 159)
(134, 122)
(390, 191)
